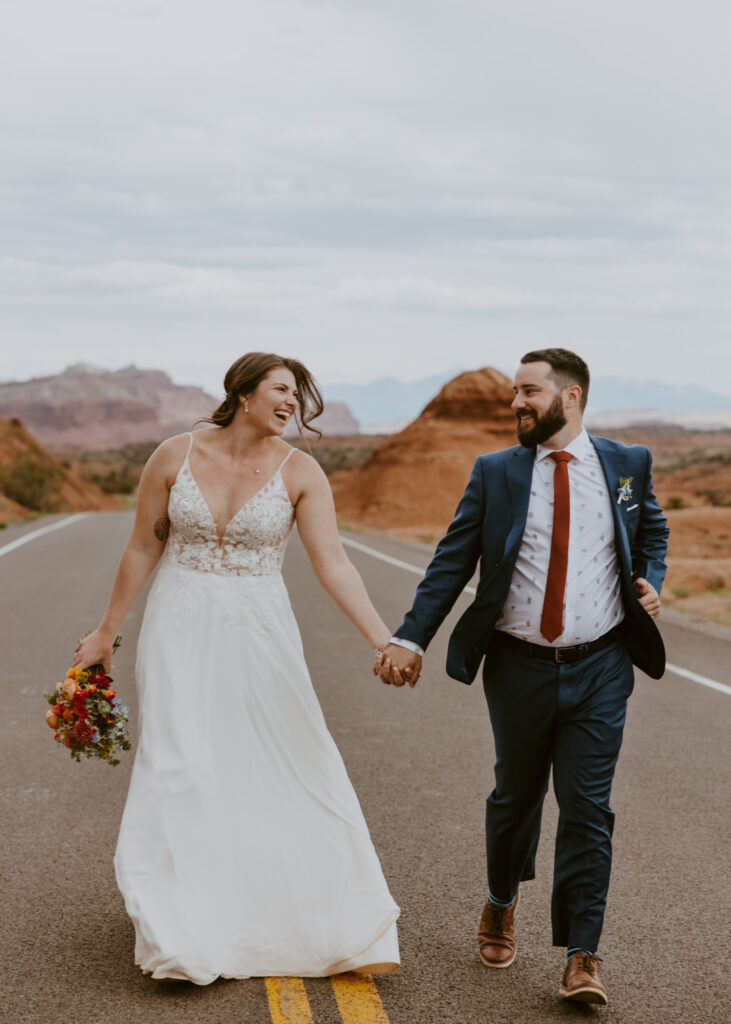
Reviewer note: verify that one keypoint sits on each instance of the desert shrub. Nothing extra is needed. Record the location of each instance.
(716, 498)
(715, 582)
(33, 484)
(681, 592)
(675, 501)
(334, 457)
(115, 481)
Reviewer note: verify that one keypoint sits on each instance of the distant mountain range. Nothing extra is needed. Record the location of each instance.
(388, 401)
(389, 404)
(90, 408)
(612, 394)
(87, 407)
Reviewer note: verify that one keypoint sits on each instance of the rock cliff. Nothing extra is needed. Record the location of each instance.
(412, 482)
(92, 409)
(31, 479)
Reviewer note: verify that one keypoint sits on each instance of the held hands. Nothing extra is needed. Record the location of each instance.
(94, 649)
(648, 597)
(397, 665)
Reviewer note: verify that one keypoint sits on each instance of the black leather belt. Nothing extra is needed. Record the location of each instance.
(559, 655)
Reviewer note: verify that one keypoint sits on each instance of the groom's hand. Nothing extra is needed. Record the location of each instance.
(648, 597)
(397, 666)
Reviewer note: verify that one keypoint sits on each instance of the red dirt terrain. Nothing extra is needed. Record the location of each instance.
(20, 452)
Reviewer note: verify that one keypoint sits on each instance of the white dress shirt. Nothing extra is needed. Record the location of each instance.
(592, 599)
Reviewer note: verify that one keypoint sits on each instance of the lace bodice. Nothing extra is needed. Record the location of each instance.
(254, 541)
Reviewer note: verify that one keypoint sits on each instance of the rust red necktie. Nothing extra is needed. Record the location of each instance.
(552, 614)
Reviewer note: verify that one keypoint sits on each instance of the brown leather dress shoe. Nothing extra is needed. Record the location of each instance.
(496, 934)
(581, 981)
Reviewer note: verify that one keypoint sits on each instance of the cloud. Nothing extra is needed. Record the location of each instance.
(418, 293)
(316, 174)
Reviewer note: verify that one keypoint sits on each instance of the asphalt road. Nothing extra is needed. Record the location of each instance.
(421, 762)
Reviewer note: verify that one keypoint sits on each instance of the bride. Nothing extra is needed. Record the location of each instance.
(242, 850)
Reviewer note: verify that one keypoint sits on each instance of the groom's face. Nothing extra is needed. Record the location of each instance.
(538, 404)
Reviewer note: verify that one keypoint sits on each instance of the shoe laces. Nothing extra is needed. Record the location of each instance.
(589, 961)
(496, 917)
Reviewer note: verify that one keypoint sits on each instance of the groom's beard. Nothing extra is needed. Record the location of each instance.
(541, 427)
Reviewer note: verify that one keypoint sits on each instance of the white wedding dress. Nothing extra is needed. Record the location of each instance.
(242, 850)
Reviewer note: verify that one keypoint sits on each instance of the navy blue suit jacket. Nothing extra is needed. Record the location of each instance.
(488, 527)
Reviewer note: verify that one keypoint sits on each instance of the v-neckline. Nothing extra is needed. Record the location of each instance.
(221, 537)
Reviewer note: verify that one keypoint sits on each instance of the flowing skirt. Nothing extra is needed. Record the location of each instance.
(242, 850)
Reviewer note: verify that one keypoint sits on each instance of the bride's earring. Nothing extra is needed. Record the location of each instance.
(246, 405)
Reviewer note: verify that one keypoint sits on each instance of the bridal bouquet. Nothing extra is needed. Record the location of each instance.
(87, 716)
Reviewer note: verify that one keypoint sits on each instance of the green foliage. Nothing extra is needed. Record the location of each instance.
(31, 483)
(675, 501)
(115, 481)
(681, 592)
(333, 457)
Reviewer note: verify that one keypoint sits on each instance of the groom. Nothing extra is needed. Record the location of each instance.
(571, 543)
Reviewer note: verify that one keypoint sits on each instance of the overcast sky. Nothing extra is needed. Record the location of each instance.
(378, 187)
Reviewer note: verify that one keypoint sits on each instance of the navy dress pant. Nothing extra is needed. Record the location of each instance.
(568, 718)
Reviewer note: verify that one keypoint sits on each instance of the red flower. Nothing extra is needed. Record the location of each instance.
(83, 733)
(79, 702)
(99, 679)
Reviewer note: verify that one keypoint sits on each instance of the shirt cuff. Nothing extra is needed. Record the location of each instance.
(408, 644)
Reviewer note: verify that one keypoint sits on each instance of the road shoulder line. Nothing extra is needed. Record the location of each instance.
(28, 537)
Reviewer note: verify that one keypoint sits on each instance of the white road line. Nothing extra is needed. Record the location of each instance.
(699, 679)
(28, 537)
(392, 561)
(374, 553)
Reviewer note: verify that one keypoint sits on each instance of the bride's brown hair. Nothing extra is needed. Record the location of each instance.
(245, 375)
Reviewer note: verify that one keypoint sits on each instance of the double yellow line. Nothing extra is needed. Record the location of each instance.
(356, 995)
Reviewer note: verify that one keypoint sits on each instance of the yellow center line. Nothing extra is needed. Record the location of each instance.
(358, 1000)
(288, 1002)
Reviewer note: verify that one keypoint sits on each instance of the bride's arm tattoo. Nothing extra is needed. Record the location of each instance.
(162, 528)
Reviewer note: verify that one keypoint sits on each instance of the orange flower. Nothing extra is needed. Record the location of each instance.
(109, 694)
(67, 741)
(69, 688)
(51, 719)
(68, 715)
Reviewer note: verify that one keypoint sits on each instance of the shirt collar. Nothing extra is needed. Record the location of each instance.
(580, 448)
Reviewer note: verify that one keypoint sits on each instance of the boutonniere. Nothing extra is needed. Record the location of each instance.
(624, 491)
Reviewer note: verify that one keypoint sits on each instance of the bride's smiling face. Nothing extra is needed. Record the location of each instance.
(273, 402)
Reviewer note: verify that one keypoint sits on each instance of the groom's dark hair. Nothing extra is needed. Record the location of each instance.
(568, 368)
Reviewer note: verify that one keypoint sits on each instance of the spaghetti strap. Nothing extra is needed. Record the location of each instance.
(190, 444)
(292, 449)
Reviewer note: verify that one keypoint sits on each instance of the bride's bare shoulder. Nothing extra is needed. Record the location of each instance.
(302, 465)
(168, 457)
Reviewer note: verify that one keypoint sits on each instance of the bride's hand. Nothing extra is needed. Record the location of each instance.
(94, 649)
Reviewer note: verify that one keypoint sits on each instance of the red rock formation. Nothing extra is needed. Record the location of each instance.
(336, 421)
(412, 482)
(73, 494)
(92, 409)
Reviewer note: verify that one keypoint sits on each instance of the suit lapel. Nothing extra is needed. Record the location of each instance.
(614, 464)
(519, 473)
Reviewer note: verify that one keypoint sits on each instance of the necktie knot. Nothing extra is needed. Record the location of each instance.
(561, 456)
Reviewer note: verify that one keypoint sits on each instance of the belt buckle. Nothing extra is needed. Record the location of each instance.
(557, 652)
